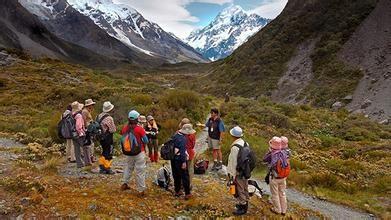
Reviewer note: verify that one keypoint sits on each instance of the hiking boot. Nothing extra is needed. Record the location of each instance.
(241, 210)
(178, 194)
(188, 196)
(110, 172)
(124, 187)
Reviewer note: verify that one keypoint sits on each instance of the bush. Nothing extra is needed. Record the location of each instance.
(329, 141)
(326, 180)
(141, 99)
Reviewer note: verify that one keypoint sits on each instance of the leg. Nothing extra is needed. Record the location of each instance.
(150, 151)
(92, 152)
(86, 153)
(275, 197)
(191, 170)
(242, 196)
(185, 179)
(282, 195)
(129, 166)
(68, 149)
(140, 167)
(176, 175)
(155, 149)
(72, 151)
(77, 142)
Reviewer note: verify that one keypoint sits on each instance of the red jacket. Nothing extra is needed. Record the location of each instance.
(190, 144)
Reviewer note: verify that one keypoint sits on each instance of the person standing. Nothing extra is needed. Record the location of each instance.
(69, 149)
(190, 147)
(179, 164)
(87, 117)
(108, 129)
(152, 130)
(137, 161)
(241, 183)
(80, 133)
(215, 137)
(277, 157)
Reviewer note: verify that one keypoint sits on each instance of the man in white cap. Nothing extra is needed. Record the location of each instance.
(87, 117)
(80, 133)
(241, 184)
(108, 128)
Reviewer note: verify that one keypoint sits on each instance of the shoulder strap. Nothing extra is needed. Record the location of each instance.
(102, 118)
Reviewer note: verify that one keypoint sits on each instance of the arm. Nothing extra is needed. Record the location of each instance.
(182, 149)
(268, 157)
(232, 161)
(222, 130)
(110, 124)
(143, 135)
(80, 125)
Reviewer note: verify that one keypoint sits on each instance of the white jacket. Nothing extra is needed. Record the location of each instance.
(233, 157)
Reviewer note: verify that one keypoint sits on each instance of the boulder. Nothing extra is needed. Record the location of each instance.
(337, 106)
(348, 98)
(366, 103)
(384, 122)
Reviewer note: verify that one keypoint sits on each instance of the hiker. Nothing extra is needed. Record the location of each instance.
(142, 121)
(215, 137)
(276, 158)
(240, 182)
(78, 140)
(87, 117)
(152, 130)
(108, 129)
(190, 147)
(133, 143)
(69, 149)
(179, 164)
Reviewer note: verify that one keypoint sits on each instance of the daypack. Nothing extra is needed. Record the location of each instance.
(129, 144)
(163, 177)
(167, 151)
(246, 161)
(280, 171)
(94, 129)
(66, 128)
(201, 166)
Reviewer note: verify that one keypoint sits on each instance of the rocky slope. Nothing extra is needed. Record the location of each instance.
(230, 29)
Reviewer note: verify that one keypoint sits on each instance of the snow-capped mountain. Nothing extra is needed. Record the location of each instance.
(230, 29)
(118, 21)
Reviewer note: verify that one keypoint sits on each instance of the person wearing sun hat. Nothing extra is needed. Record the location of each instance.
(87, 117)
(108, 128)
(277, 184)
(78, 140)
(152, 130)
(241, 184)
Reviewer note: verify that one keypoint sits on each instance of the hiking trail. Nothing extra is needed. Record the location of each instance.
(328, 209)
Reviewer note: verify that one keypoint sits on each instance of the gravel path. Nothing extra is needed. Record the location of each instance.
(328, 209)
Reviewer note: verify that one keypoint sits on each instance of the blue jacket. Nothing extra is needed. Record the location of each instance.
(180, 144)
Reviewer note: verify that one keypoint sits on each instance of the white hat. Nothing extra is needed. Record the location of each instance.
(236, 132)
(107, 106)
(187, 129)
(76, 106)
(89, 102)
(142, 119)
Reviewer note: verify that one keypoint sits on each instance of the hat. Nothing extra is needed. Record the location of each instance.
(133, 115)
(150, 117)
(142, 119)
(236, 132)
(107, 106)
(284, 142)
(89, 102)
(76, 106)
(275, 143)
(187, 129)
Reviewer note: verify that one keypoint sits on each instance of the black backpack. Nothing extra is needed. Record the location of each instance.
(201, 166)
(167, 152)
(66, 128)
(246, 161)
(94, 129)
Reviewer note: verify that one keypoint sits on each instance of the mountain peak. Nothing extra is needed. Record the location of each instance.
(231, 10)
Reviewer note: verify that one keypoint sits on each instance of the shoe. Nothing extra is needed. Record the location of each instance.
(110, 172)
(124, 187)
(283, 214)
(274, 211)
(241, 210)
(178, 194)
(188, 196)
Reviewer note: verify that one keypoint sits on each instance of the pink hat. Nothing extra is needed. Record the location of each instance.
(275, 143)
(284, 142)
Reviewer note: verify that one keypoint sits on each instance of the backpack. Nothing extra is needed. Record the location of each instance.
(66, 128)
(167, 151)
(165, 173)
(94, 129)
(129, 143)
(280, 171)
(201, 166)
(246, 161)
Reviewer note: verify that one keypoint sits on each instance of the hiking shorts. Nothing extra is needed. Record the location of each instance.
(213, 144)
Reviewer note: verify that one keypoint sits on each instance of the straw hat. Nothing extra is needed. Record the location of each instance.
(187, 129)
(89, 102)
(107, 107)
(275, 143)
(76, 106)
(236, 132)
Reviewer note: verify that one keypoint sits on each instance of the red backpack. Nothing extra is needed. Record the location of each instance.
(281, 171)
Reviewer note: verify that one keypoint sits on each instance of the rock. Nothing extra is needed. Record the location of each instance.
(20, 217)
(25, 201)
(337, 106)
(366, 103)
(84, 194)
(373, 80)
(348, 98)
(384, 122)
(358, 111)
(93, 207)
(366, 205)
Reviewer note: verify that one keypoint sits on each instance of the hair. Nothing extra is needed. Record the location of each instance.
(132, 121)
(69, 107)
(214, 110)
(154, 124)
(184, 121)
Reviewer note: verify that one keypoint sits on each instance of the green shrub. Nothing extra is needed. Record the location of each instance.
(382, 185)
(329, 141)
(141, 99)
(297, 164)
(326, 180)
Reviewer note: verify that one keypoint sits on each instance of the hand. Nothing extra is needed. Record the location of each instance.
(184, 165)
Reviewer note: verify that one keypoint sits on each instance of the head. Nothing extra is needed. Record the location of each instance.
(133, 117)
(183, 122)
(214, 112)
(187, 129)
(150, 119)
(107, 107)
(284, 142)
(142, 119)
(236, 132)
(275, 143)
(89, 105)
(76, 106)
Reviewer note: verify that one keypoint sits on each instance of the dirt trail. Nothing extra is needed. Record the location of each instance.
(328, 209)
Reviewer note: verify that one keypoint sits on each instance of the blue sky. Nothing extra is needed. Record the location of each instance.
(183, 16)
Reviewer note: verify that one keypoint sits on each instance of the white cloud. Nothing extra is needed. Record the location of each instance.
(171, 15)
(270, 9)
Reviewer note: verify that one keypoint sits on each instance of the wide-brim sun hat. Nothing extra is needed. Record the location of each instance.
(76, 106)
(89, 102)
(133, 115)
(107, 107)
(150, 118)
(142, 119)
(284, 141)
(275, 143)
(187, 129)
(236, 132)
